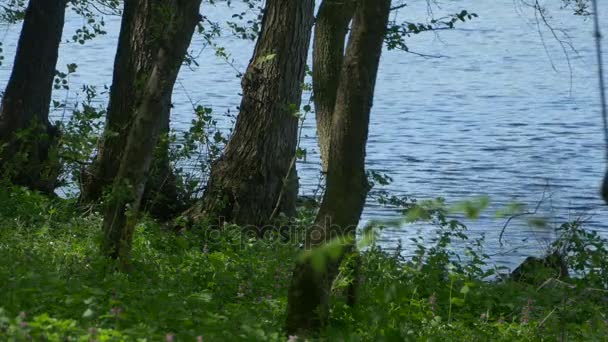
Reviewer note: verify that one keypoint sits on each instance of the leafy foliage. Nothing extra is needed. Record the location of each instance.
(228, 285)
(397, 32)
(580, 7)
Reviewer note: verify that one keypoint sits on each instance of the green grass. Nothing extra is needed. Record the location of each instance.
(55, 286)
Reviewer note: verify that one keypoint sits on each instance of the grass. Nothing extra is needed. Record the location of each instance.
(224, 286)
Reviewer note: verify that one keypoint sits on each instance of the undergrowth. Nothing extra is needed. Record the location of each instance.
(222, 285)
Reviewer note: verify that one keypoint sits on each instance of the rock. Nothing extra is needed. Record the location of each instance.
(537, 270)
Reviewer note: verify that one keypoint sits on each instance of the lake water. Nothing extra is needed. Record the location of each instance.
(500, 114)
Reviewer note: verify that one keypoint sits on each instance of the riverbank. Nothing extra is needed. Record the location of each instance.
(201, 285)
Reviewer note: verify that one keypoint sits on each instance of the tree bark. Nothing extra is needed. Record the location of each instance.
(331, 28)
(25, 104)
(162, 198)
(138, 43)
(347, 187)
(149, 117)
(245, 184)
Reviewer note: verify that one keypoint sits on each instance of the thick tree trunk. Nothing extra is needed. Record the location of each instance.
(27, 98)
(347, 185)
(138, 43)
(245, 184)
(331, 28)
(128, 186)
(132, 66)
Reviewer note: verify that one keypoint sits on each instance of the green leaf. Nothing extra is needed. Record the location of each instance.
(416, 213)
(538, 222)
(72, 68)
(457, 301)
(266, 58)
(510, 210)
(465, 289)
(472, 208)
(203, 296)
(88, 313)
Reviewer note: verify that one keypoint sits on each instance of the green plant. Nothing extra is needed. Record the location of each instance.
(221, 283)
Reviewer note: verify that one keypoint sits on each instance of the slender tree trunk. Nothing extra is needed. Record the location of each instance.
(246, 183)
(331, 28)
(26, 100)
(128, 186)
(137, 45)
(162, 198)
(347, 185)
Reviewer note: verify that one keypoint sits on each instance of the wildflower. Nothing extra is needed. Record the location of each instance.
(23, 324)
(292, 338)
(242, 290)
(22, 315)
(169, 337)
(526, 311)
(433, 303)
(199, 338)
(116, 311)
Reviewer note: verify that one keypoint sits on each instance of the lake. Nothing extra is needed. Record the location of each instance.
(500, 114)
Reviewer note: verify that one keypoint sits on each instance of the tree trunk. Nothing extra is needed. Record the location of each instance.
(246, 183)
(331, 28)
(26, 101)
(162, 198)
(347, 185)
(128, 186)
(137, 45)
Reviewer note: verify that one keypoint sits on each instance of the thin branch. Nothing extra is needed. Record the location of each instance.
(564, 44)
(547, 317)
(424, 55)
(289, 171)
(398, 7)
(514, 216)
(292, 164)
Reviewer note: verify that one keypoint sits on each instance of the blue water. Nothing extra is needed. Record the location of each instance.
(500, 114)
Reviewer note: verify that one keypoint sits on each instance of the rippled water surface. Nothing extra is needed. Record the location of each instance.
(500, 114)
